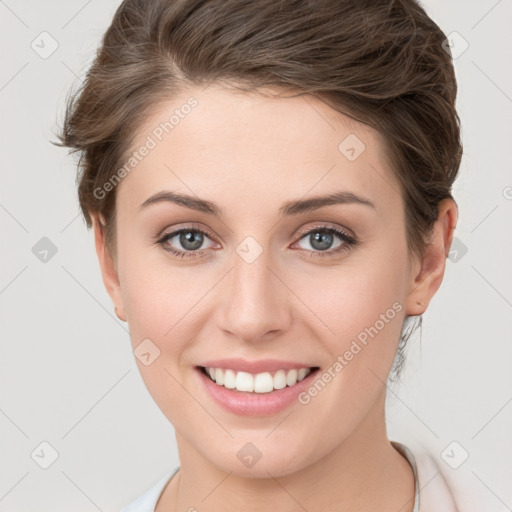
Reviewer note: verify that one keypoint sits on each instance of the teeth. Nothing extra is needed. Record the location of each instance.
(229, 379)
(280, 379)
(244, 381)
(301, 373)
(260, 383)
(219, 376)
(291, 377)
(263, 382)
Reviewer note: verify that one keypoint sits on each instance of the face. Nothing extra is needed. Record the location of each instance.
(260, 273)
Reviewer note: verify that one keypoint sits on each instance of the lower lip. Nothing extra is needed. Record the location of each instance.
(244, 403)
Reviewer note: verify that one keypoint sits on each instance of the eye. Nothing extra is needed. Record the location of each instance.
(188, 242)
(327, 241)
(185, 242)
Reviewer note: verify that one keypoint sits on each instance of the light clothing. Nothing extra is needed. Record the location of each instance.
(147, 501)
(431, 495)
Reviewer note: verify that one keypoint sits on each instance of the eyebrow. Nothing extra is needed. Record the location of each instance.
(289, 208)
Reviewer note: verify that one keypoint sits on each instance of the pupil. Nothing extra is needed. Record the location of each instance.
(191, 240)
(321, 240)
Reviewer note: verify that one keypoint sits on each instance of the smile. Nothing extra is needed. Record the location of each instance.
(264, 382)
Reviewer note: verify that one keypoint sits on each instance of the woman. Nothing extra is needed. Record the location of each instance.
(269, 185)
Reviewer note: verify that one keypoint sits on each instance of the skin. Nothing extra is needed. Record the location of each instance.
(249, 154)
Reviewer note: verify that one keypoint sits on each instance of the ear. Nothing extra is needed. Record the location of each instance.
(428, 273)
(108, 267)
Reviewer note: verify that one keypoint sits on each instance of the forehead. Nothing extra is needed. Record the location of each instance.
(250, 146)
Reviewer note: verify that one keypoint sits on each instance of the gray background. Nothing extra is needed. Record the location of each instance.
(67, 373)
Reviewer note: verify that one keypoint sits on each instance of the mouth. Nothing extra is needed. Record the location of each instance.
(256, 383)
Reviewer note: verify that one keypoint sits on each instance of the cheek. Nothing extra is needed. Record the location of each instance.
(352, 297)
(360, 306)
(165, 304)
(156, 292)
(159, 303)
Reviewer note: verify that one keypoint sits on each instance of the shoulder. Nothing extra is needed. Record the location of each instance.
(147, 501)
(432, 490)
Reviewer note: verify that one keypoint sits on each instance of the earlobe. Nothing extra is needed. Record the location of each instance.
(108, 268)
(426, 281)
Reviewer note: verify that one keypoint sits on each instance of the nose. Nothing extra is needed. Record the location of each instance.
(254, 303)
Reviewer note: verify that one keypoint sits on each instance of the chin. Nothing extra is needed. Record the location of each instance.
(249, 461)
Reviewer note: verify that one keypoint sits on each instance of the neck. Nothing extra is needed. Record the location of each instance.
(364, 472)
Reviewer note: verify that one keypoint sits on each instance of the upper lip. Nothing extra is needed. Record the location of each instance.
(263, 365)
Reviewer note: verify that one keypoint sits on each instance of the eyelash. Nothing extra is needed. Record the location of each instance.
(348, 240)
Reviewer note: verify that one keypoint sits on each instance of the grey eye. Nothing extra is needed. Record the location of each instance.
(321, 240)
(191, 240)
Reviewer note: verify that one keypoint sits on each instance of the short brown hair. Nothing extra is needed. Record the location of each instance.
(382, 62)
